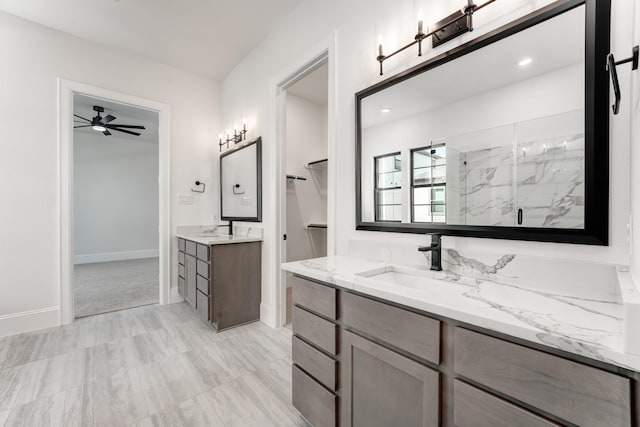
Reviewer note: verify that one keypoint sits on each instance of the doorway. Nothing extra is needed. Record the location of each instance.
(306, 164)
(116, 216)
(68, 90)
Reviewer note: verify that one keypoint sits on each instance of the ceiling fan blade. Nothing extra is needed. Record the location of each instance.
(82, 126)
(114, 125)
(106, 119)
(80, 117)
(106, 132)
(125, 131)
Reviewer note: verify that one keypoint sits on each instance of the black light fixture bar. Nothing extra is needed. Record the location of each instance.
(237, 137)
(443, 26)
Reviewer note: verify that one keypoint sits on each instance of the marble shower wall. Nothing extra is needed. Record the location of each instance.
(539, 171)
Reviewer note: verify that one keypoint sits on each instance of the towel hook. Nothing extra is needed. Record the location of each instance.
(611, 67)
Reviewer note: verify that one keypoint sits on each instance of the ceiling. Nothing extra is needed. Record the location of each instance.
(124, 115)
(206, 37)
(486, 69)
(314, 86)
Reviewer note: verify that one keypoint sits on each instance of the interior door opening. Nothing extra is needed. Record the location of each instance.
(306, 164)
(116, 206)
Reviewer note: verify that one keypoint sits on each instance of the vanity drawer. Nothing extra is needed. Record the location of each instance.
(315, 297)
(202, 305)
(203, 269)
(181, 244)
(203, 252)
(190, 247)
(181, 258)
(202, 284)
(318, 365)
(475, 408)
(408, 331)
(315, 403)
(181, 270)
(315, 329)
(574, 392)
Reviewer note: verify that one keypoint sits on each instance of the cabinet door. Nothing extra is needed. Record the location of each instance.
(190, 280)
(383, 388)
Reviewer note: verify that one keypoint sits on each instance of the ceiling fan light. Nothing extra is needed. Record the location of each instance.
(98, 128)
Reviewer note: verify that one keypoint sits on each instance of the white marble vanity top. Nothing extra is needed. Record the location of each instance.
(218, 239)
(590, 325)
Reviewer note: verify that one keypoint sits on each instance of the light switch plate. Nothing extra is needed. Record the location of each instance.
(185, 199)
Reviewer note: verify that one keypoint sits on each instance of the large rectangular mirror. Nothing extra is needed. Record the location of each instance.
(241, 183)
(503, 137)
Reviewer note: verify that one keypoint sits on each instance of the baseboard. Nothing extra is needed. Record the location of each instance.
(115, 256)
(27, 321)
(266, 316)
(175, 296)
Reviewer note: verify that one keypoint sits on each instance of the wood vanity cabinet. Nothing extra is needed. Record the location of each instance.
(221, 282)
(361, 361)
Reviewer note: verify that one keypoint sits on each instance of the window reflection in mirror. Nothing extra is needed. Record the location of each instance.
(388, 195)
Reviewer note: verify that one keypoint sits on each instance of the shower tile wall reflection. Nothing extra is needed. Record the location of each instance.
(486, 183)
(543, 187)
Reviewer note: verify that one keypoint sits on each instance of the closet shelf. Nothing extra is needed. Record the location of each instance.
(314, 225)
(296, 177)
(317, 162)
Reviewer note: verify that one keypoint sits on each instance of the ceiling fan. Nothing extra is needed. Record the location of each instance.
(103, 124)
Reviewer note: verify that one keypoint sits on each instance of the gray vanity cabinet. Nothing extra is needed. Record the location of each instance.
(362, 361)
(578, 393)
(190, 280)
(315, 346)
(383, 388)
(221, 282)
(473, 407)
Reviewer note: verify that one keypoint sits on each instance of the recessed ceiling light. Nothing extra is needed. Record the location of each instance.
(99, 128)
(386, 110)
(524, 62)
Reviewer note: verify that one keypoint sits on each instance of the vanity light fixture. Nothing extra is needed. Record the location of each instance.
(454, 25)
(237, 137)
(524, 62)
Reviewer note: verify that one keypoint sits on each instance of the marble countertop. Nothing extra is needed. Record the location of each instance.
(590, 326)
(210, 239)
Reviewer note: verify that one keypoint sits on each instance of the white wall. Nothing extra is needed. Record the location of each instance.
(116, 200)
(246, 91)
(631, 101)
(33, 58)
(306, 141)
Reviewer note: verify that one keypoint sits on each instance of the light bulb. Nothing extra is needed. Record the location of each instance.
(99, 128)
(524, 62)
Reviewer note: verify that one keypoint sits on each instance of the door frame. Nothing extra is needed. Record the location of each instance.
(323, 53)
(66, 90)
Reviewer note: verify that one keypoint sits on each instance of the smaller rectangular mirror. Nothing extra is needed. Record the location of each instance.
(241, 183)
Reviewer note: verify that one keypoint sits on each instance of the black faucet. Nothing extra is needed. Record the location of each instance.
(436, 251)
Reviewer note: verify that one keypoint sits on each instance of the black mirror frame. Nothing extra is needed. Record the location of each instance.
(258, 218)
(597, 45)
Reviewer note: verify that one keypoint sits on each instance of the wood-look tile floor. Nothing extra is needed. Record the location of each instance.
(147, 366)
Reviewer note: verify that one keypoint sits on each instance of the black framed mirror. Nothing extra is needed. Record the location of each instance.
(241, 183)
(506, 136)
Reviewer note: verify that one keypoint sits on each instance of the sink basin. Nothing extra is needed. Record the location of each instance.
(406, 277)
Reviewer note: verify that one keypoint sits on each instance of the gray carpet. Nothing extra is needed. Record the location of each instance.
(117, 285)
